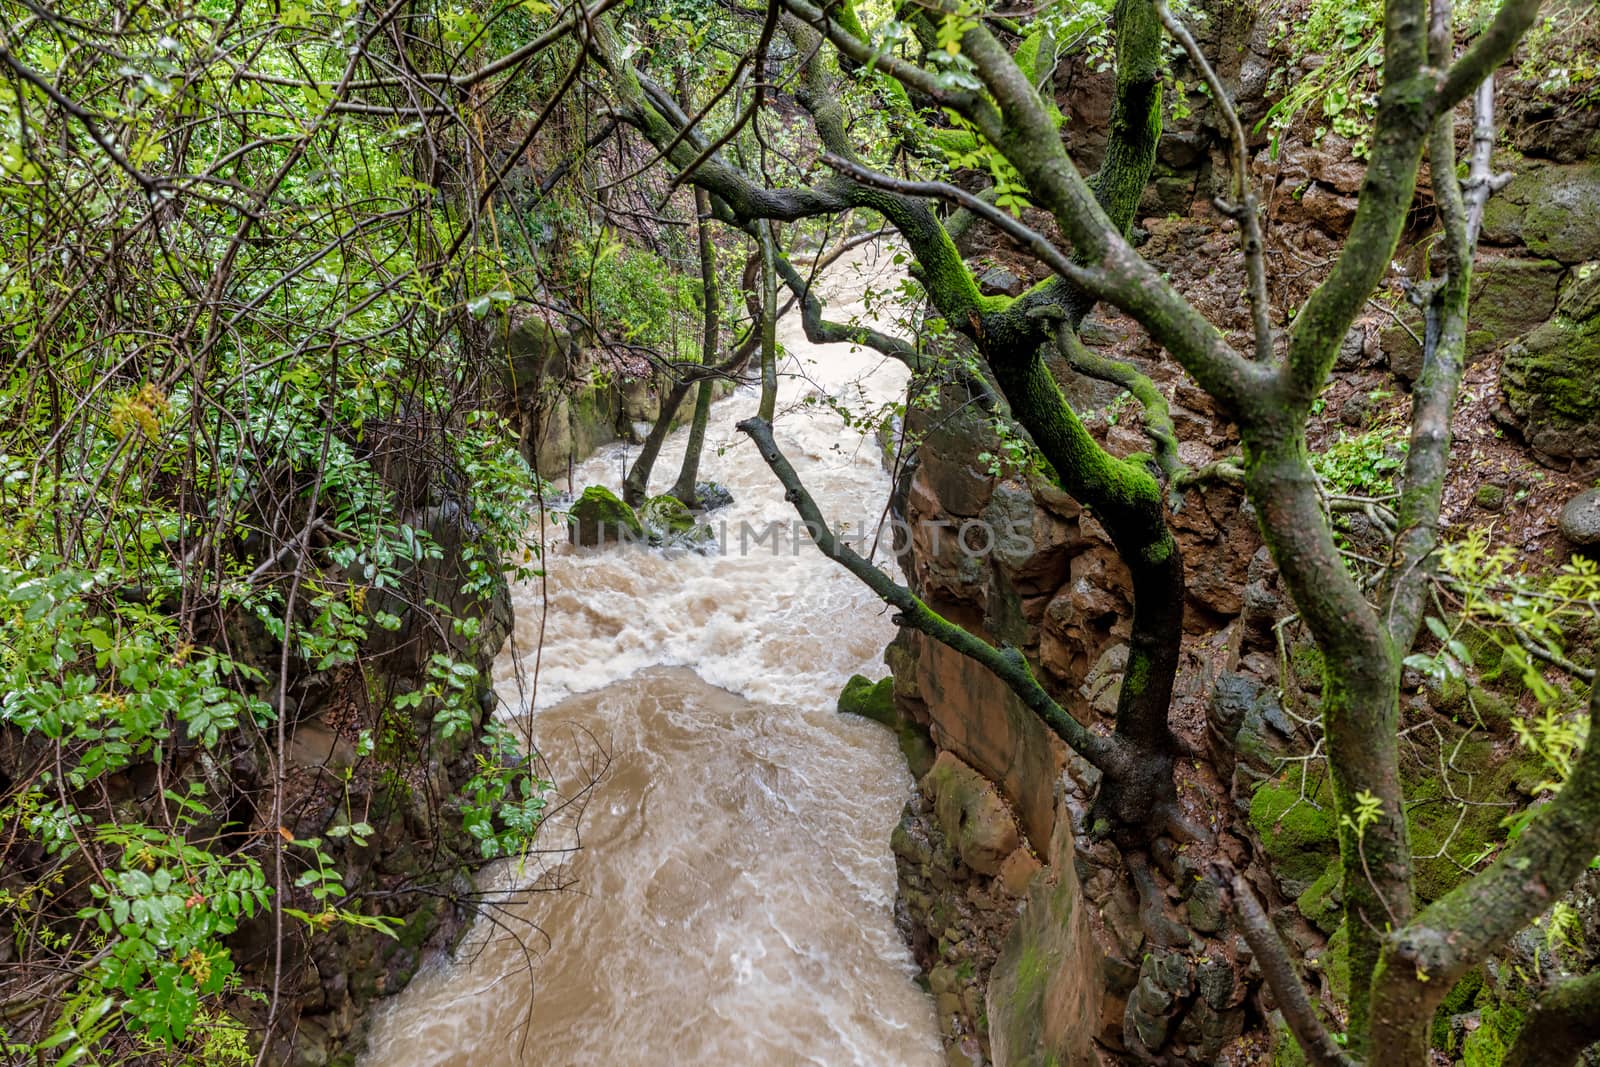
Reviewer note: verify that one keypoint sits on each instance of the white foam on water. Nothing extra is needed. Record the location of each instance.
(735, 886)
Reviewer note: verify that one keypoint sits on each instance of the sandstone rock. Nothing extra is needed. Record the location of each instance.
(1030, 543)
(1018, 870)
(1551, 377)
(1104, 680)
(1510, 296)
(1045, 991)
(971, 814)
(1580, 519)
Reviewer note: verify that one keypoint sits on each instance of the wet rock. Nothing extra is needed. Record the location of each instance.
(1205, 907)
(1032, 544)
(1553, 209)
(1264, 602)
(598, 516)
(709, 496)
(998, 281)
(1551, 377)
(666, 516)
(971, 814)
(1165, 978)
(1045, 993)
(1510, 296)
(875, 701)
(869, 699)
(1580, 519)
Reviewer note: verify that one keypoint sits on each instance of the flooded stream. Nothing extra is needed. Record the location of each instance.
(732, 899)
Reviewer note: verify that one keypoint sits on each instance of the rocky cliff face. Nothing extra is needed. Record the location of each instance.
(417, 864)
(1043, 945)
(1098, 953)
(568, 398)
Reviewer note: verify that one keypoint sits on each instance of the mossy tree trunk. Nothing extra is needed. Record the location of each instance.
(1401, 965)
(689, 473)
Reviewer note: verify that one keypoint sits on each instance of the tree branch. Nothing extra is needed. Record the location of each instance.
(1422, 961)
(1443, 355)
(1245, 208)
(1563, 1023)
(1157, 417)
(821, 331)
(1007, 664)
(1492, 48)
(1278, 970)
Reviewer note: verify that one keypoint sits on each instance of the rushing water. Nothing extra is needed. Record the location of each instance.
(732, 899)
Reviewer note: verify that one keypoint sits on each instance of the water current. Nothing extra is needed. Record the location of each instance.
(732, 899)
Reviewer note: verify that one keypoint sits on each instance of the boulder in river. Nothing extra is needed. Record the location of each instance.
(598, 516)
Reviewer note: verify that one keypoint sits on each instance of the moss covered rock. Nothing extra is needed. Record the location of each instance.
(598, 516)
(869, 699)
(1510, 296)
(875, 700)
(1298, 833)
(1552, 209)
(1323, 900)
(668, 521)
(666, 516)
(971, 814)
(1551, 377)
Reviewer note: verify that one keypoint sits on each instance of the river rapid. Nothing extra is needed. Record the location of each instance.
(732, 900)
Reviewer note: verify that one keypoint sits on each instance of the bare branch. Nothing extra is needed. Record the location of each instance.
(1007, 664)
(1287, 989)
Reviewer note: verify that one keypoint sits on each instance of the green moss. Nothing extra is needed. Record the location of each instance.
(666, 517)
(1031, 975)
(1336, 964)
(1307, 663)
(869, 699)
(1321, 902)
(1285, 1049)
(1490, 497)
(1460, 999)
(1439, 824)
(875, 700)
(1299, 837)
(598, 516)
(1486, 1046)
(421, 923)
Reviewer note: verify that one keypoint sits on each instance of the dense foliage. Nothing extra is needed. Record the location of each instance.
(260, 262)
(249, 439)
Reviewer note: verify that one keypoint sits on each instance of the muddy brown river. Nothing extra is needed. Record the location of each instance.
(732, 899)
